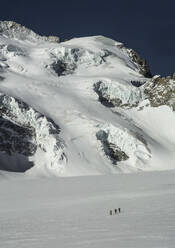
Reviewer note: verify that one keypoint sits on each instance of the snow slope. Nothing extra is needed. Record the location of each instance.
(58, 80)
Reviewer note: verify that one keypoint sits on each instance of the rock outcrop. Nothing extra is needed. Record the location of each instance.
(121, 145)
(14, 30)
(141, 63)
(160, 91)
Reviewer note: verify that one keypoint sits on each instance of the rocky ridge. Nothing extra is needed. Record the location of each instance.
(14, 30)
(141, 63)
(160, 91)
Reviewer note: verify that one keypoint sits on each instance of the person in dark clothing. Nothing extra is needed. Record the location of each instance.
(110, 212)
(119, 210)
(115, 211)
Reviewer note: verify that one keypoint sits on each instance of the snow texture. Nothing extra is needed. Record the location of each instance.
(74, 212)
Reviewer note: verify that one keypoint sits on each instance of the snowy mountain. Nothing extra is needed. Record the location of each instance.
(86, 106)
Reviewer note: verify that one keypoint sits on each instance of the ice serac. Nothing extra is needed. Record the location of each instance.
(122, 145)
(27, 136)
(65, 60)
(115, 94)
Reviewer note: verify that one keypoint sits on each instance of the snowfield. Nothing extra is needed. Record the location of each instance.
(74, 212)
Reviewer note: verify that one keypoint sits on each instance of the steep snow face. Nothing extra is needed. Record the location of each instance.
(25, 133)
(65, 81)
(122, 145)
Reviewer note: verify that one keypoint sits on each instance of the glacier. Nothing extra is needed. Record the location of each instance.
(92, 107)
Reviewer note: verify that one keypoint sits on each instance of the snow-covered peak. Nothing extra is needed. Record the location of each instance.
(100, 95)
(14, 30)
(93, 43)
(103, 45)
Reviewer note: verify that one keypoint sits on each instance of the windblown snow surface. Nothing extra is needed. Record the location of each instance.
(74, 212)
(85, 86)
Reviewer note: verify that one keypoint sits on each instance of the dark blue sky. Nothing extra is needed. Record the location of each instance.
(146, 26)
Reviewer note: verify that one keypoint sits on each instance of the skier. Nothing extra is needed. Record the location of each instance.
(110, 212)
(119, 210)
(115, 211)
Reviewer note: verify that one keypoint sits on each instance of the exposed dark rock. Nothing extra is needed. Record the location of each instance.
(65, 60)
(173, 76)
(137, 83)
(142, 63)
(111, 150)
(104, 100)
(160, 91)
(1, 78)
(15, 163)
(62, 68)
(22, 131)
(114, 152)
(17, 137)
